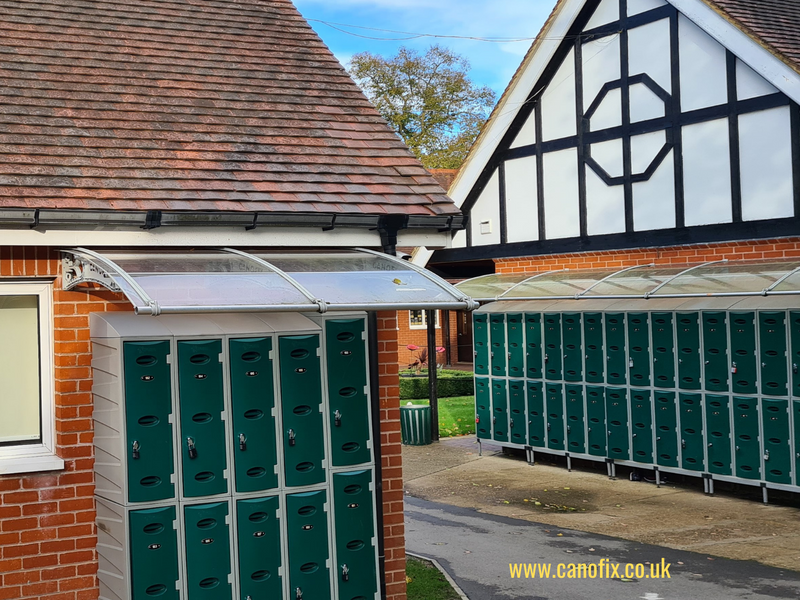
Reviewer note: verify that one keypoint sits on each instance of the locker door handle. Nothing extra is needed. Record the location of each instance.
(658, 439)
(337, 418)
(683, 444)
(345, 573)
(634, 435)
(711, 445)
(135, 450)
(794, 368)
(191, 448)
(766, 455)
(292, 442)
(548, 427)
(512, 423)
(546, 358)
(242, 442)
(569, 428)
(298, 594)
(737, 448)
(763, 364)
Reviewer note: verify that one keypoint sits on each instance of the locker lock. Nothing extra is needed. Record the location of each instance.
(345, 573)
(135, 450)
(794, 368)
(683, 444)
(298, 594)
(546, 358)
(477, 419)
(337, 419)
(734, 368)
(512, 423)
(630, 363)
(292, 442)
(766, 454)
(191, 448)
(494, 420)
(242, 442)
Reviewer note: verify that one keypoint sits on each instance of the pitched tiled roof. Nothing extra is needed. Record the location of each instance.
(211, 105)
(775, 23)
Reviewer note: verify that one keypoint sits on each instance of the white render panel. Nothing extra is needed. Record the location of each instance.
(522, 205)
(766, 164)
(639, 6)
(609, 114)
(605, 206)
(650, 52)
(527, 134)
(654, 200)
(459, 240)
(644, 149)
(645, 105)
(607, 12)
(485, 214)
(558, 102)
(707, 173)
(750, 84)
(609, 156)
(703, 68)
(600, 65)
(562, 215)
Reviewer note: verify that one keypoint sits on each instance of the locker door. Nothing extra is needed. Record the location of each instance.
(715, 351)
(573, 347)
(666, 429)
(593, 345)
(516, 346)
(642, 419)
(576, 437)
(794, 330)
(718, 426)
(555, 416)
(483, 408)
(148, 411)
(692, 444)
(208, 552)
(309, 575)
(617, 420)
(259, 542)
(516, 406)
(663, 350)
(743, 353)
(639, 348)
(777, 449)
(202, 429)
(301, 399)
(688, 351)
(497, 333)
(533, 344)
(480, 336)
(346, 355)
(747, 448)
(499, 410)
(596, 417)
(536, 419)
(154, 553)
(355, 535)
(772, 331)
(796, 429)
(616, 366)
(553, 351)
(253, 402)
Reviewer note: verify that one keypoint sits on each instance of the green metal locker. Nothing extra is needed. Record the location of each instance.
(553, 351)
(744, 367)
(154, 553)
(301, 397)
(772, 333)
(692, 439)
(718, 428)
(536, 418)
(483, 408)
(148, 411)
(480, 336)
(576, 437)
(533, 345)
(663, 350)
(617, 422)
(573, 347)
(642, 426)
(616, 365)
(516, 408)
(794, 330)
(593, 346)
(346, 355)
(499, 410)
(777, 447)
(715, 351)
(516, 346)
(666, 429)
(497, 334)
(259, 543)
(747, 448)
(596, 420)
(555, 416)
(253, 400)
(688, 351)
(639, 348)
(355, 535)
(307, 532)
(208, 552)
(202, 429)
(796, 429)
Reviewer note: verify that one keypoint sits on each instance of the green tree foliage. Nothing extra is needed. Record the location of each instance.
(428, 99)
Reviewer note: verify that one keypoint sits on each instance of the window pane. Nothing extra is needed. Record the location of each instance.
(416, 318)
(19, 369)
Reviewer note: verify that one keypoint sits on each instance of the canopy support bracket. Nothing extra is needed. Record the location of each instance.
(76, 272)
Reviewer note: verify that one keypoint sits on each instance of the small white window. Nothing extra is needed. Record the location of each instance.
(27, 410)
(418, 319)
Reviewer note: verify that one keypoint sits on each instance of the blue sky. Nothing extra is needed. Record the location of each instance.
(493, 64)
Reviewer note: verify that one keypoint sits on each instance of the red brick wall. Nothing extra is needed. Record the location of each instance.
(419, 337)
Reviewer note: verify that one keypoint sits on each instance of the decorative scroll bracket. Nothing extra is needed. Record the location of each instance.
(76, 271)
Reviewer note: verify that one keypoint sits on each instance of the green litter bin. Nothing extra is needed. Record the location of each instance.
(415, 424)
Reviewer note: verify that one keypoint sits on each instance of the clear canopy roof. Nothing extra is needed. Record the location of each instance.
(173, 281)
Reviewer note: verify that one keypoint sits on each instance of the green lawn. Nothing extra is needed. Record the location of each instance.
(425, 582)
(456, 415)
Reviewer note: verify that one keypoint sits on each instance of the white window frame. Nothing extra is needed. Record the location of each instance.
(424, 320)
(28, 458)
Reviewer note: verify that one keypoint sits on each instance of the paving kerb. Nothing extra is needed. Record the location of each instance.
(675, 516)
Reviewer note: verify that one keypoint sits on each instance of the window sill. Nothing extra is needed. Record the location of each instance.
(32, 463)
(421, 327)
